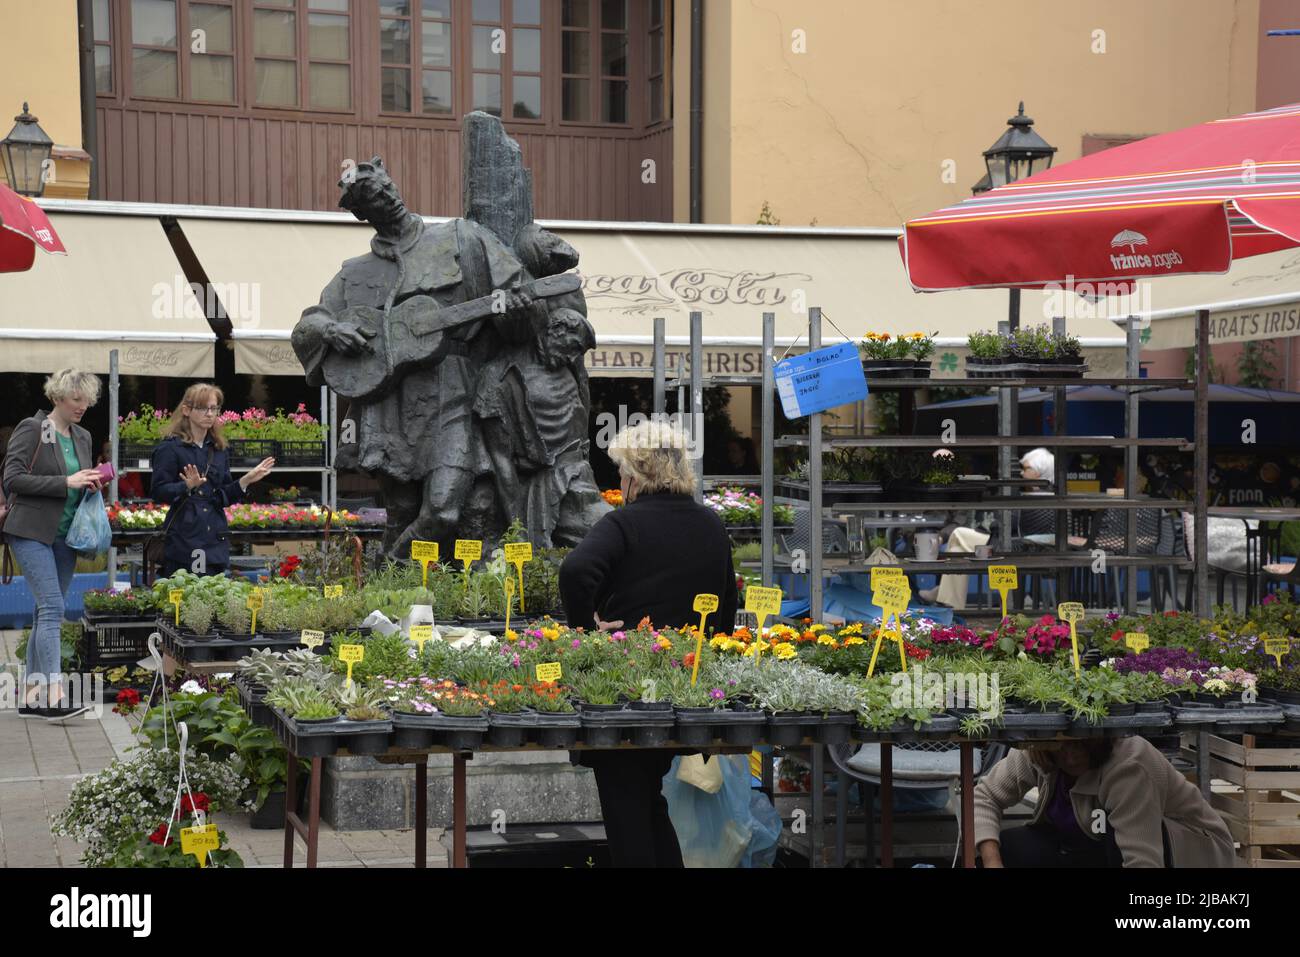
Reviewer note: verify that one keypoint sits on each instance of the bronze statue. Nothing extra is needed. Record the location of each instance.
(424, 333)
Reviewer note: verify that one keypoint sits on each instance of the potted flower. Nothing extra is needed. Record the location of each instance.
(138, 432)
(510, 718)
(921, 347)
(985, 350)
(556, 724)
(599, 692)
(848, 475)
(1064, 352)
(885, 356)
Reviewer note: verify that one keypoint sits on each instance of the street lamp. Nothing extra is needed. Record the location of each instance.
(24, 153)
(1019, 152)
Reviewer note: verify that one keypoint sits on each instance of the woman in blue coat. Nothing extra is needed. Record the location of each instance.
(191, 475)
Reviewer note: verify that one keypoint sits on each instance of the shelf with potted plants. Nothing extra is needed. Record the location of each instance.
(296, 440)
(902, 356)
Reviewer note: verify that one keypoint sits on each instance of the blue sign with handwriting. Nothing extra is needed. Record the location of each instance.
(820, 380)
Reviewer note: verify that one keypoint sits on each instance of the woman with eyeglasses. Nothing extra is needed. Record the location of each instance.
(191, 475)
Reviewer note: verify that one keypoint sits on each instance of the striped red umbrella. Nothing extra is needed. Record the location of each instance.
(23, 227)
(1190, 201)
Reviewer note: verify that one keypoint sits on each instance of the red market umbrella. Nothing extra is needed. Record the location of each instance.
(23, 227)
(1190, 201)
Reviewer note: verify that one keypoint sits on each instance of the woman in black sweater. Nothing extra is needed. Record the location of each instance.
(647, 559)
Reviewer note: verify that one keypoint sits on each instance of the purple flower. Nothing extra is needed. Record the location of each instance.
(576, 643)
(717, 694)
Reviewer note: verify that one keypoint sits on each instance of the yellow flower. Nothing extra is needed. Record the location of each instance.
(664, 643)
(756, 647)
(828, 641)
(550, 634)
(784, 650)
(853, 629)
(511, 635)
(817, 628)
(854, 640)
(782, 631)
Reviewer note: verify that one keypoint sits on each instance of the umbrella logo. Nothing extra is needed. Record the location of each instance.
(1128, 238)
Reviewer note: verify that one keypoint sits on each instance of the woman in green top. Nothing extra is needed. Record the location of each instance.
(47, 469)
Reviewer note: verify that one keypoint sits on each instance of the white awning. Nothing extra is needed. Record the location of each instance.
(120, 287)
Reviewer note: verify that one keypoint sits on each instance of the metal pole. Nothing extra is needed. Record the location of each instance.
(1005, 429)
(1060, 478)
(114, 383)
(1132, 369)
(1201, 463)
(697, 400)
(333, 449)
(767, 489)
(657, 364)
(329, 446)
(815, 483)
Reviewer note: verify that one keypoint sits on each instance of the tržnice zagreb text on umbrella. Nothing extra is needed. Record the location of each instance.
(23, 227)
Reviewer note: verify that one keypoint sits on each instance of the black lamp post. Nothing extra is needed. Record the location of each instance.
(1018, 153)
(24, 152)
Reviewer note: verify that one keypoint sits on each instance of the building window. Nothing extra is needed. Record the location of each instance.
(595, 70)
(155, 70)
(212, 51)
(103, 47)
(436, 58)
(488, 47)
(526, 60)
(655, 58)
(302, 53)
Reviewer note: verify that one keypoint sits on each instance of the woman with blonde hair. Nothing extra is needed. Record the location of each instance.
(47, 470)
(648, 559)
(191, 475)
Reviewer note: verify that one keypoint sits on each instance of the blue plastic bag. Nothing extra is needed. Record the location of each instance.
(736, 827)
(90, 533)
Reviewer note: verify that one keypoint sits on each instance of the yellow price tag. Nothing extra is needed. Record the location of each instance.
(880, 572)
(706, 605)
(175, 596)
(350, 655)
(1137, 640)
(517, 552)
(551, 671)
(419, 634)
(1002, 579)
(1072, 612)
(893, 593)
(895, 633)
(256, 601)
(1277, 647)
(200, 841)
(763, 602)
(508, 586)
(469, 551)
(332, 591)
(312, 639)
(424, 552)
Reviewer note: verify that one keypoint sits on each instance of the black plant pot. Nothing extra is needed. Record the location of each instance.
(509, 729)
(270, 816)
(1120, 710)
(787, 728)
(1282, 695)
(888, 368)
(556, 729)
(1152, 707)
(835, 728)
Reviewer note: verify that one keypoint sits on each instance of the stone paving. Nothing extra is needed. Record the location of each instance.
(40, 761)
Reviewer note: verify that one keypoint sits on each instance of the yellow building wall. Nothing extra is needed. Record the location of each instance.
(892, 94)
(39, 64)
(719, 57)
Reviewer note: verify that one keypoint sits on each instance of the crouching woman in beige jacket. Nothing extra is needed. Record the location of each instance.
(1101, 803)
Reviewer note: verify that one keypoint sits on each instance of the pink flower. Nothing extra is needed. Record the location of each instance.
(576, 643)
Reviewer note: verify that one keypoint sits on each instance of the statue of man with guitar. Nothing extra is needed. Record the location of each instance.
(405, 332)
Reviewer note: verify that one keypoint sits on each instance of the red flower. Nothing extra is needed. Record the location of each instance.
(128, 699)
(1116, 635)
(160, 837)
(1171, 614)
(199, 802)
(689, 659)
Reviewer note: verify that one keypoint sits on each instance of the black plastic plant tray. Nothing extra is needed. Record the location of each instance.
(832, 492)
(299, 452)
(556, 729)
(650, 727)
(306, 740)
(902, 731)
(605, 727)
(440, 730)
(364, 737)
(510, 730)
(1018, 725)
(834, 728)
(118, 641)
(788, 728)
(1118, 726)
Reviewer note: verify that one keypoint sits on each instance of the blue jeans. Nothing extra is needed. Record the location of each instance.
(48, 572)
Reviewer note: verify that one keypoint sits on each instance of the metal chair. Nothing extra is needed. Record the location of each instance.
(921, 765)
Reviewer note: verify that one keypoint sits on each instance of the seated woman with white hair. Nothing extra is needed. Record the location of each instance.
(952, 589)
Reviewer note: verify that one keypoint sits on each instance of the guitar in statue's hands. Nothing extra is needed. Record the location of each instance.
(370, 352)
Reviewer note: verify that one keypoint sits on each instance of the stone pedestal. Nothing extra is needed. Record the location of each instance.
(360, 793)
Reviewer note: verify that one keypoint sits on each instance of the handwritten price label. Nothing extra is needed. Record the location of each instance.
(1137, 640)
(200, 842)
(256, 601)
(880, 573)
(1072, 611)
(706, 604)
(550, 671)
(1003, 576)
(332, 591)
(312, 639)
(424, 551)
(892, 594)
(352, 654)
(420, 634)
(517, 552)
(175, 596)
(1277, 647)
(763, 601)
(468, 550)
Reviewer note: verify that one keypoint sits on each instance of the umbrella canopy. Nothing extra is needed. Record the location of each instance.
(23, 227)
(1190, 201)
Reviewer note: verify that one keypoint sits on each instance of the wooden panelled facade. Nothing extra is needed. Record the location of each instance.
(174, 150)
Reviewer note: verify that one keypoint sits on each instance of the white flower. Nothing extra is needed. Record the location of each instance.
(191, 687)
